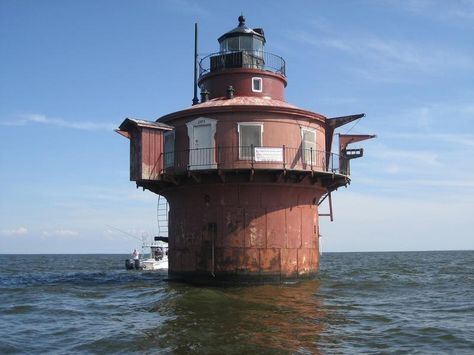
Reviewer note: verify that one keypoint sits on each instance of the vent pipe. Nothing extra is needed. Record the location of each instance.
(230, 92)
(204, 96)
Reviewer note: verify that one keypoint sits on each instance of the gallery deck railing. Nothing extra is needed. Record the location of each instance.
(242, 59)
(250, 157)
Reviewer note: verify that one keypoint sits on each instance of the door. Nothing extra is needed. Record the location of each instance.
(308, 145)
(201, 153)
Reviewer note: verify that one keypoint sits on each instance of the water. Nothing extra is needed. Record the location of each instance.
(416, 302)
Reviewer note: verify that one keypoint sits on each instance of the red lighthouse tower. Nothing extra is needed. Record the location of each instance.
(243, 170)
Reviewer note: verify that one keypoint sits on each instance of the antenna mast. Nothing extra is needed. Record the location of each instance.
(195, 98)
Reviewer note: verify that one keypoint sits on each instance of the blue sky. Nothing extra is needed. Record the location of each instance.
(71, 71)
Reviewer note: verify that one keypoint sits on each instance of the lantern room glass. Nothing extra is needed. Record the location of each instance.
(242, 43)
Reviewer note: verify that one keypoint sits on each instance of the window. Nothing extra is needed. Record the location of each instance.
(223, 46)
(246, 43)
(308, 145)
(233, 44)
(240, 43)
(257, 84)
(257, 45)
(250, 135)
(169, 149)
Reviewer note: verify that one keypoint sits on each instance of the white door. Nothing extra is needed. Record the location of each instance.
(202, 152)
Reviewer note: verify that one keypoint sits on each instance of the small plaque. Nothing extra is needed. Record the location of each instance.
(269, 154)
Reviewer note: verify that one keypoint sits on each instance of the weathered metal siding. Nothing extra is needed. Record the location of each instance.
(152, 147)
(146, 158)
(278, 131)
(135, 155)
(273, 85)
(244, 231)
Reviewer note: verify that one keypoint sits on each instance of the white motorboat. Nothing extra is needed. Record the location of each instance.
(157, 258)
(158, 249)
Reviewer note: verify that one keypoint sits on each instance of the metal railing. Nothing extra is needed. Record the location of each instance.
(250, 157)
(242, 59)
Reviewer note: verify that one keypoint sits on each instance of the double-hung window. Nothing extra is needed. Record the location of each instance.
(308, 145)
(250, 136)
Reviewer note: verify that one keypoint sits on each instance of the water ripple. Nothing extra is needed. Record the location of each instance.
(359, 303)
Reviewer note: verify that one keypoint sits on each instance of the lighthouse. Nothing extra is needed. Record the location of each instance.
(244, 171)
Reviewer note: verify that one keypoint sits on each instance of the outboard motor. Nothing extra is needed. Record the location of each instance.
(137, 264)
(129, 265)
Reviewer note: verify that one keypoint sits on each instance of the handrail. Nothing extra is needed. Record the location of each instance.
(250, 157)
(242, 59)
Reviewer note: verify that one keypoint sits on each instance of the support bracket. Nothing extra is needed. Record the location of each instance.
(330, 214)
(195, 176)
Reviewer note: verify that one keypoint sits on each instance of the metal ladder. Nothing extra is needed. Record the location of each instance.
(162, 216)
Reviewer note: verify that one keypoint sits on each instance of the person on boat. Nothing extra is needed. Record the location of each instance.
(158, 254)
(135, 254)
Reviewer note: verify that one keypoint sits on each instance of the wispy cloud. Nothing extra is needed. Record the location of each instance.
(443, 10)
(411, 156)
(457, 139)
(430, 118)
(387, 59)
(30, 119)
(414, 183)
(64, 233)
(16, 232)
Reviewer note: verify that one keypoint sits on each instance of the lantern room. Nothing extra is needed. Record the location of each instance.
(242, 38)
(242, 67)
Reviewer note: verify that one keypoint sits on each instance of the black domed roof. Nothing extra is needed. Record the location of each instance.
(243, 30)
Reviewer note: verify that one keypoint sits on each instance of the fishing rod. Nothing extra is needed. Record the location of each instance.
(124, 232)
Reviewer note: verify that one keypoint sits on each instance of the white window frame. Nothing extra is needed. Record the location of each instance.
(256, 78)
(305, 157)
(168, 158)
(260, 124)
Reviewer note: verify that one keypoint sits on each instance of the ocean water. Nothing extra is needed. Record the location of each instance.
(371, 303)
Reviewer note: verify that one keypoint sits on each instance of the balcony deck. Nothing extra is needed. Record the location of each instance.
(242, 59)
(251, 158)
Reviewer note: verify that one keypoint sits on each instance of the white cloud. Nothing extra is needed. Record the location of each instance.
(66, 233)
(440, 10)
(386, 59)
(457, 139)
(14, 232)
(405, 156)
(441, 121)
(418, 182)
(28, 119)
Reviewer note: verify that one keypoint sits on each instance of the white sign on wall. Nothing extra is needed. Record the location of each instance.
(269, 154)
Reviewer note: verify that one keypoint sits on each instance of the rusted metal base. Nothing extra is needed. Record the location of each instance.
(243, 233)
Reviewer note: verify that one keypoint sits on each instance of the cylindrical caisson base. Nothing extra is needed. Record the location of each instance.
(243, 232)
